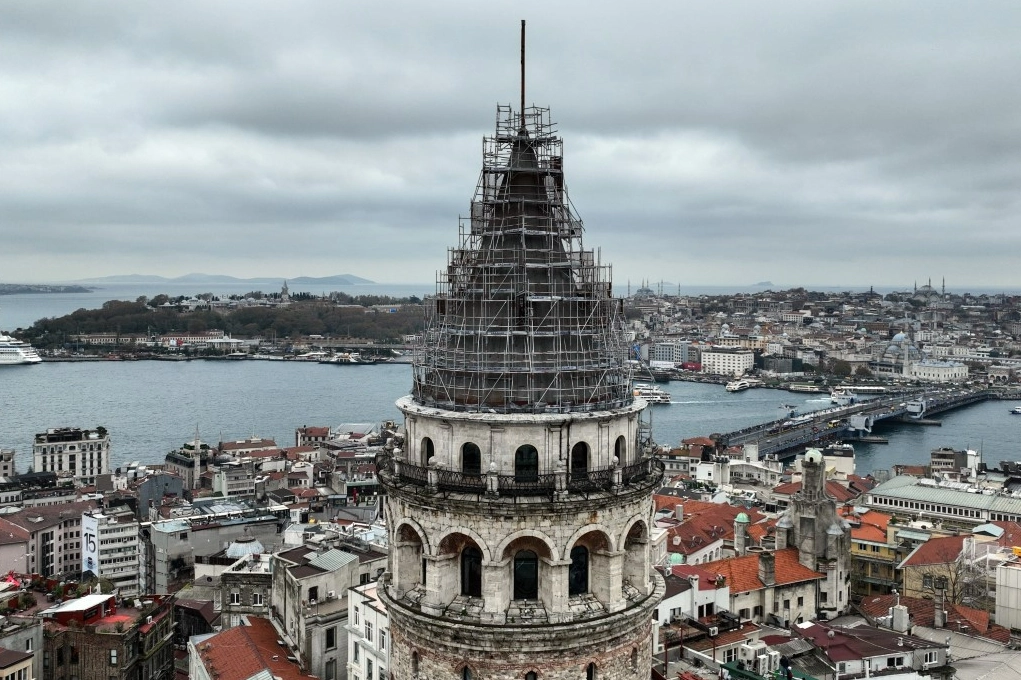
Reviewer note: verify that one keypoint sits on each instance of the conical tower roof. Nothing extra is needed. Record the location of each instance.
(523, 319)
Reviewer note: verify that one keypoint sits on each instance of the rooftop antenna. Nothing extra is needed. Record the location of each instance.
(522, 73)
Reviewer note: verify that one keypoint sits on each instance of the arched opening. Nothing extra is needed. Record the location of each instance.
(466, 673)
(471, 459)
(579, 461)
(634, 658)
(577, 575)
(526, 464)
(590, 672)
(409, 554)
(620, 449)
(526, 575)
(414, 664)
(531, 675)
(428, 450)
(471, 572)
(636, 557)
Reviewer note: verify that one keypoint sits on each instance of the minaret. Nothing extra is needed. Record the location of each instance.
(519, 502)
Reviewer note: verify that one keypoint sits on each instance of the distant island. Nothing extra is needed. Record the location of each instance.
(24, 288)
(336, 280)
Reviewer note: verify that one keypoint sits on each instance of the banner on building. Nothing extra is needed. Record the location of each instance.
(90, 544)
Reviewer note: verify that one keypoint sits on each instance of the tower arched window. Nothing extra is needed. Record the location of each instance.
(471, 572)
(590, 672)
(620, 449)
(531, 675)
(414, 664)
(471, 459)
(526, 464)
(577, 575)
(526, 575)
(428, 450)
(579, 461)
(466, 673)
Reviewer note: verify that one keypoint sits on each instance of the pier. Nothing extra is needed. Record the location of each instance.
(916, 406)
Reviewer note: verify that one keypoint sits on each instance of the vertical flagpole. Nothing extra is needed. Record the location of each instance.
(522, 73)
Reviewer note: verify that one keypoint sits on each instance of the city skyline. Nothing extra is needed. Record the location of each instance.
(848, 144)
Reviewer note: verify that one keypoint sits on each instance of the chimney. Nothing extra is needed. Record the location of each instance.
(899, 619)
(679, 511)
(767, 569)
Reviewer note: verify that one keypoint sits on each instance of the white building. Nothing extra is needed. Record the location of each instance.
(939, 371)
(110, 548)
(72, 453)
(234, 481)
(727, 361)
(368, 635)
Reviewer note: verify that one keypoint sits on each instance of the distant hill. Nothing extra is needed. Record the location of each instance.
(196, 278)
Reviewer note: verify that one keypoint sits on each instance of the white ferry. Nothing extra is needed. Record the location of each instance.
(652, 394)
(738, 385)
(1016, 411)
(14, 352)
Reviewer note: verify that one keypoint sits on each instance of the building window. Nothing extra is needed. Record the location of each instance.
(368, 669)
(471, 459)
(382, 640)
(28, 645)
(414, 664)
(590, 672)
(113, 657)
(356, 653)
(471, 572)
(313, 594)
(368, 631)
(757, 611)
(531, 675)
(930, 657)
(526, 464)
(577, 576)
(620, 450)
(257, 599)
(331, 638)
(801, 601)
(526, 575)
(466, 673)
(235, 597)
(331, 670)
(358, 611)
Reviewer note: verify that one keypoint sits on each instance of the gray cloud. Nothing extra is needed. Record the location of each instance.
(847, 143)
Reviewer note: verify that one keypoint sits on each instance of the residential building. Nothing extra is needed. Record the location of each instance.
(72, 453)
(23, 633)
(7, 463)
(54, 536)
(309, 600)
(91, 637)
(234, 480)
(246, 586)
(368, 637)
(246, 652)
(935, 569)
(16, 664)
(110, 548)
(189, 462)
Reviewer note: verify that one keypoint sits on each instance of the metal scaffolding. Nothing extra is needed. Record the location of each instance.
(523, 319)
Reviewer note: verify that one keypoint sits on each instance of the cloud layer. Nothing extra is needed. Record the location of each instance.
(844, 143)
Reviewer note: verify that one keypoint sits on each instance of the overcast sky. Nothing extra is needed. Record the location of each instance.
(813, 143)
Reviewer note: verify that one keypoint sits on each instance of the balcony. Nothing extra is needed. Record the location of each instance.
(644, 475)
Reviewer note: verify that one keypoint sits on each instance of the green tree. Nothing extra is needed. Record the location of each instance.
(841, 368)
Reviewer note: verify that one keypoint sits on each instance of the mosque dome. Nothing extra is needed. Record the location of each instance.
(813, 456)
(741, 517)
(676, 558)
(243, 547)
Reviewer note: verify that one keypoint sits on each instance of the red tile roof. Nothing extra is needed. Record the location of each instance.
(834, 488)
(243, 651)
(935, 551)
(708, 523)
(923, 612)
(742, 573)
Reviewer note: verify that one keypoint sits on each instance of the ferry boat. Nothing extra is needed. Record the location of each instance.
(738, 385)
(842, 396)
(1016, 411)
(14, 352)
(652, 394)
(809, 389)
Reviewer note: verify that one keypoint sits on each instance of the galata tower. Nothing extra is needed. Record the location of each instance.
(519, 503)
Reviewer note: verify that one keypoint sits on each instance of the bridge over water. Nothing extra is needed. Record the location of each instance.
(845, 422)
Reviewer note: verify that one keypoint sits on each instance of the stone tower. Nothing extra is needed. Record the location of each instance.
(822, 537)
(519, 501)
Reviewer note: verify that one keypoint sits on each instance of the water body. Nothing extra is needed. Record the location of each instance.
(151, 407)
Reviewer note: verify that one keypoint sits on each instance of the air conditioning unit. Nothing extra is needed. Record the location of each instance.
(331, 595)
(714, 631)
(311, 603)
(148, 619)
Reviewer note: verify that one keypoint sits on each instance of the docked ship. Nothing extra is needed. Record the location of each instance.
(652, 394)
(14, 352)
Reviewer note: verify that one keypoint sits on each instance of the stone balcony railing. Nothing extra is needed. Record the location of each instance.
(397, 473)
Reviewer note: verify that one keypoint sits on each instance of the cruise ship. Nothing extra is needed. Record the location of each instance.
(652, 394)
(14, 352)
